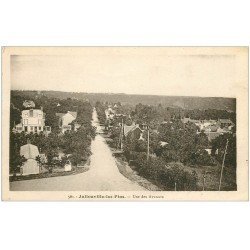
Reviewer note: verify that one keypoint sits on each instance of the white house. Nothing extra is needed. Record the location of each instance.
(110, 113)
(65, 120)
(33, 120)
(31, 166)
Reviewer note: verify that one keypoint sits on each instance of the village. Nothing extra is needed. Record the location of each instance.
(40, 150)
(162, 146)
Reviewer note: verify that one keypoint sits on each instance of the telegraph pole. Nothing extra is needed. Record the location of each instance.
(204, 179)
(222, 166)
(121, 133)
(148, 145)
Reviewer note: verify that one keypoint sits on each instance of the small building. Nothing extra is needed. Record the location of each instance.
(225, 123)
(133, 131)
(163, 143)
(68, 166)
(211, 128)
(208, 150)
(187, 119)
(31, 166)
(110, 113)
(65, 120)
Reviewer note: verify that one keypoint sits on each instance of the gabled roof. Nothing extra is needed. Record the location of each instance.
(128, 129)
(29, 151)
(74, 114)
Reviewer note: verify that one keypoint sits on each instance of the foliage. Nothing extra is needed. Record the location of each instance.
(219, 145)
(75, 143)
(16, 161)
(166, 176)
(100, 109)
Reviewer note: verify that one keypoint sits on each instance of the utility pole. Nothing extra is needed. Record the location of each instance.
(222, 166)
(119, 144)
(122, 133)
(148, 145)
(204, 178)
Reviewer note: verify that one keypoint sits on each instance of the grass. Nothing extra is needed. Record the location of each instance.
(213, 178)
(211, 181)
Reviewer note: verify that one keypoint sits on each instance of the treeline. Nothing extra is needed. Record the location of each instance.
(166, 101)
(190, 103)
(157, 114)
(100, 110)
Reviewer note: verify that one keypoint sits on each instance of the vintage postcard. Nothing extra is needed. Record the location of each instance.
(125, 123)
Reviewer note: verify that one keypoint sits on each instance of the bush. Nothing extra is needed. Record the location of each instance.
(168, 176)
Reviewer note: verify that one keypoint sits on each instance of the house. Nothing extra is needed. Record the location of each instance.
(33, 120)
(163, 143)
(110, 113)
(31, 166)
(187, 119)
(65, 120)
(209, 151)
(133, 131)
(144, 126)
(225, 123)
(211, 128)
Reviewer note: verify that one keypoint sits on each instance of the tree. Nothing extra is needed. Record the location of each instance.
(39, 160)
(16, 161)
(218, 149)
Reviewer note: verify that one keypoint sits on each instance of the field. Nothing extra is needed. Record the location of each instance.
(213, 178)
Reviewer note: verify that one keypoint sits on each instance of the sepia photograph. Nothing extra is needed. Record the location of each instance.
(125, 123)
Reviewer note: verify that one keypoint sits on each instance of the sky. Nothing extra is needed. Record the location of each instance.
(124, 71)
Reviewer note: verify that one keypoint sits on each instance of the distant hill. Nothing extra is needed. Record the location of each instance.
(184, 102)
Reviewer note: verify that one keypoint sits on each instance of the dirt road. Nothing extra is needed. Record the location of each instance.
(103, 174)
